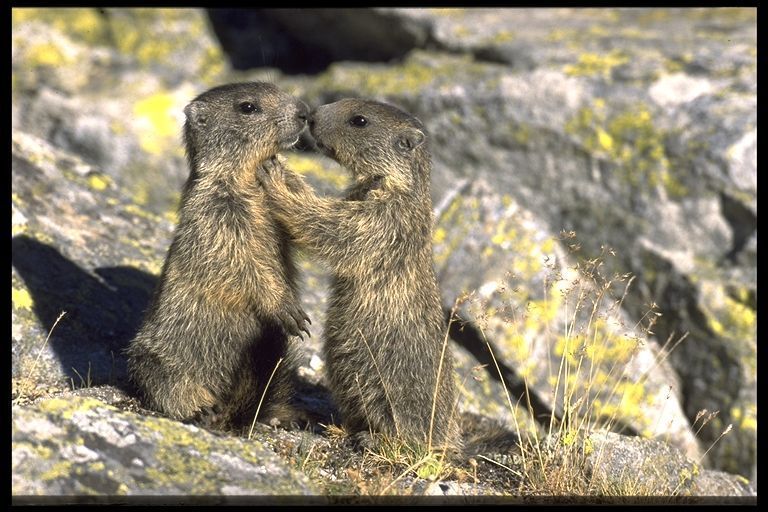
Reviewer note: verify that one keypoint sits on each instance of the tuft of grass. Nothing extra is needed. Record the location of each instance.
(25, 389)
(85, 382)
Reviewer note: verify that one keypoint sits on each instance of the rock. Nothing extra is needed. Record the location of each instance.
(648, 467)
(85, 262)
(85, 447)
(75, 49)
(678, 88)
(110, 86)
(555, 328)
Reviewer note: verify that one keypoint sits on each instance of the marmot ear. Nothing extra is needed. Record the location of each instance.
(409, 139)
(196, 113)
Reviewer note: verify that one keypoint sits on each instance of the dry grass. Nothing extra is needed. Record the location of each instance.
(26, 389)
(553, 459)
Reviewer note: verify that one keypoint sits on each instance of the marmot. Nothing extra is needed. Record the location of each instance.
(227, 299)
(385, 329)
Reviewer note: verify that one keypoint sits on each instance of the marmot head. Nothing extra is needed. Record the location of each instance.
(373, 140)
(241, 124)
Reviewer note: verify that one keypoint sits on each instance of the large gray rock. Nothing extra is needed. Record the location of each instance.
(554, 325)
(81, 446)
(648, 467)
(110, 85)
(616, 467)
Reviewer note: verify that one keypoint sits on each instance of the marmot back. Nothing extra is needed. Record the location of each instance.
(387, 363)
(227, 301)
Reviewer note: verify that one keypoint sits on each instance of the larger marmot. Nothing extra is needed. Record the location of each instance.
(387, 363)
(227, 301)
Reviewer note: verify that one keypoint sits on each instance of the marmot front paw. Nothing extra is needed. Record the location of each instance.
(270, 170)
(294, 320)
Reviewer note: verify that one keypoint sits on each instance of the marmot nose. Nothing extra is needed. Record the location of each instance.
(302, 111)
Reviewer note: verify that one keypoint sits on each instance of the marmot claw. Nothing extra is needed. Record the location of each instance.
(294, 321)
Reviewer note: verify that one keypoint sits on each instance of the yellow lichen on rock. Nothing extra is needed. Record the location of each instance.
(629, 138)
(415, 74)
(726, 316)
(98, 182)
(84, 24)
(21, 299)
(590, 64)
(156, 117)
(67, 408)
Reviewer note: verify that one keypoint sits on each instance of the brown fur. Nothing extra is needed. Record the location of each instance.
(385, 327)
(227, 297)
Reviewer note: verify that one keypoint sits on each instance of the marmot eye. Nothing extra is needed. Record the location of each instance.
(358, 121)
(247, 107)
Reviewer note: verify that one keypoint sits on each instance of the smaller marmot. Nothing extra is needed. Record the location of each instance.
(387, 364)
(227, 299)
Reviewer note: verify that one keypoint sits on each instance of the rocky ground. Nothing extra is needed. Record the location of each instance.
(595, 198)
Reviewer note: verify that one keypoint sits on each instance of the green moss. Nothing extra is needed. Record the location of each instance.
(148, 35)
(745, 419)
(152, 266)
(453, 227)
(131, 28)
(389, 81)
(677, 64)
(141, 194)
(181, 456)
(97, 466)
(42, 451)
(172, 216)
(213, 66)
(588, 447)
(652, 16)
(461, 31)
(438, 236)
(629, 406)
(431, 468)
(740, 319)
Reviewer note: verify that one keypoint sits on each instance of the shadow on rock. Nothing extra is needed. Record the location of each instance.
(104, 310)
(466, 334)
